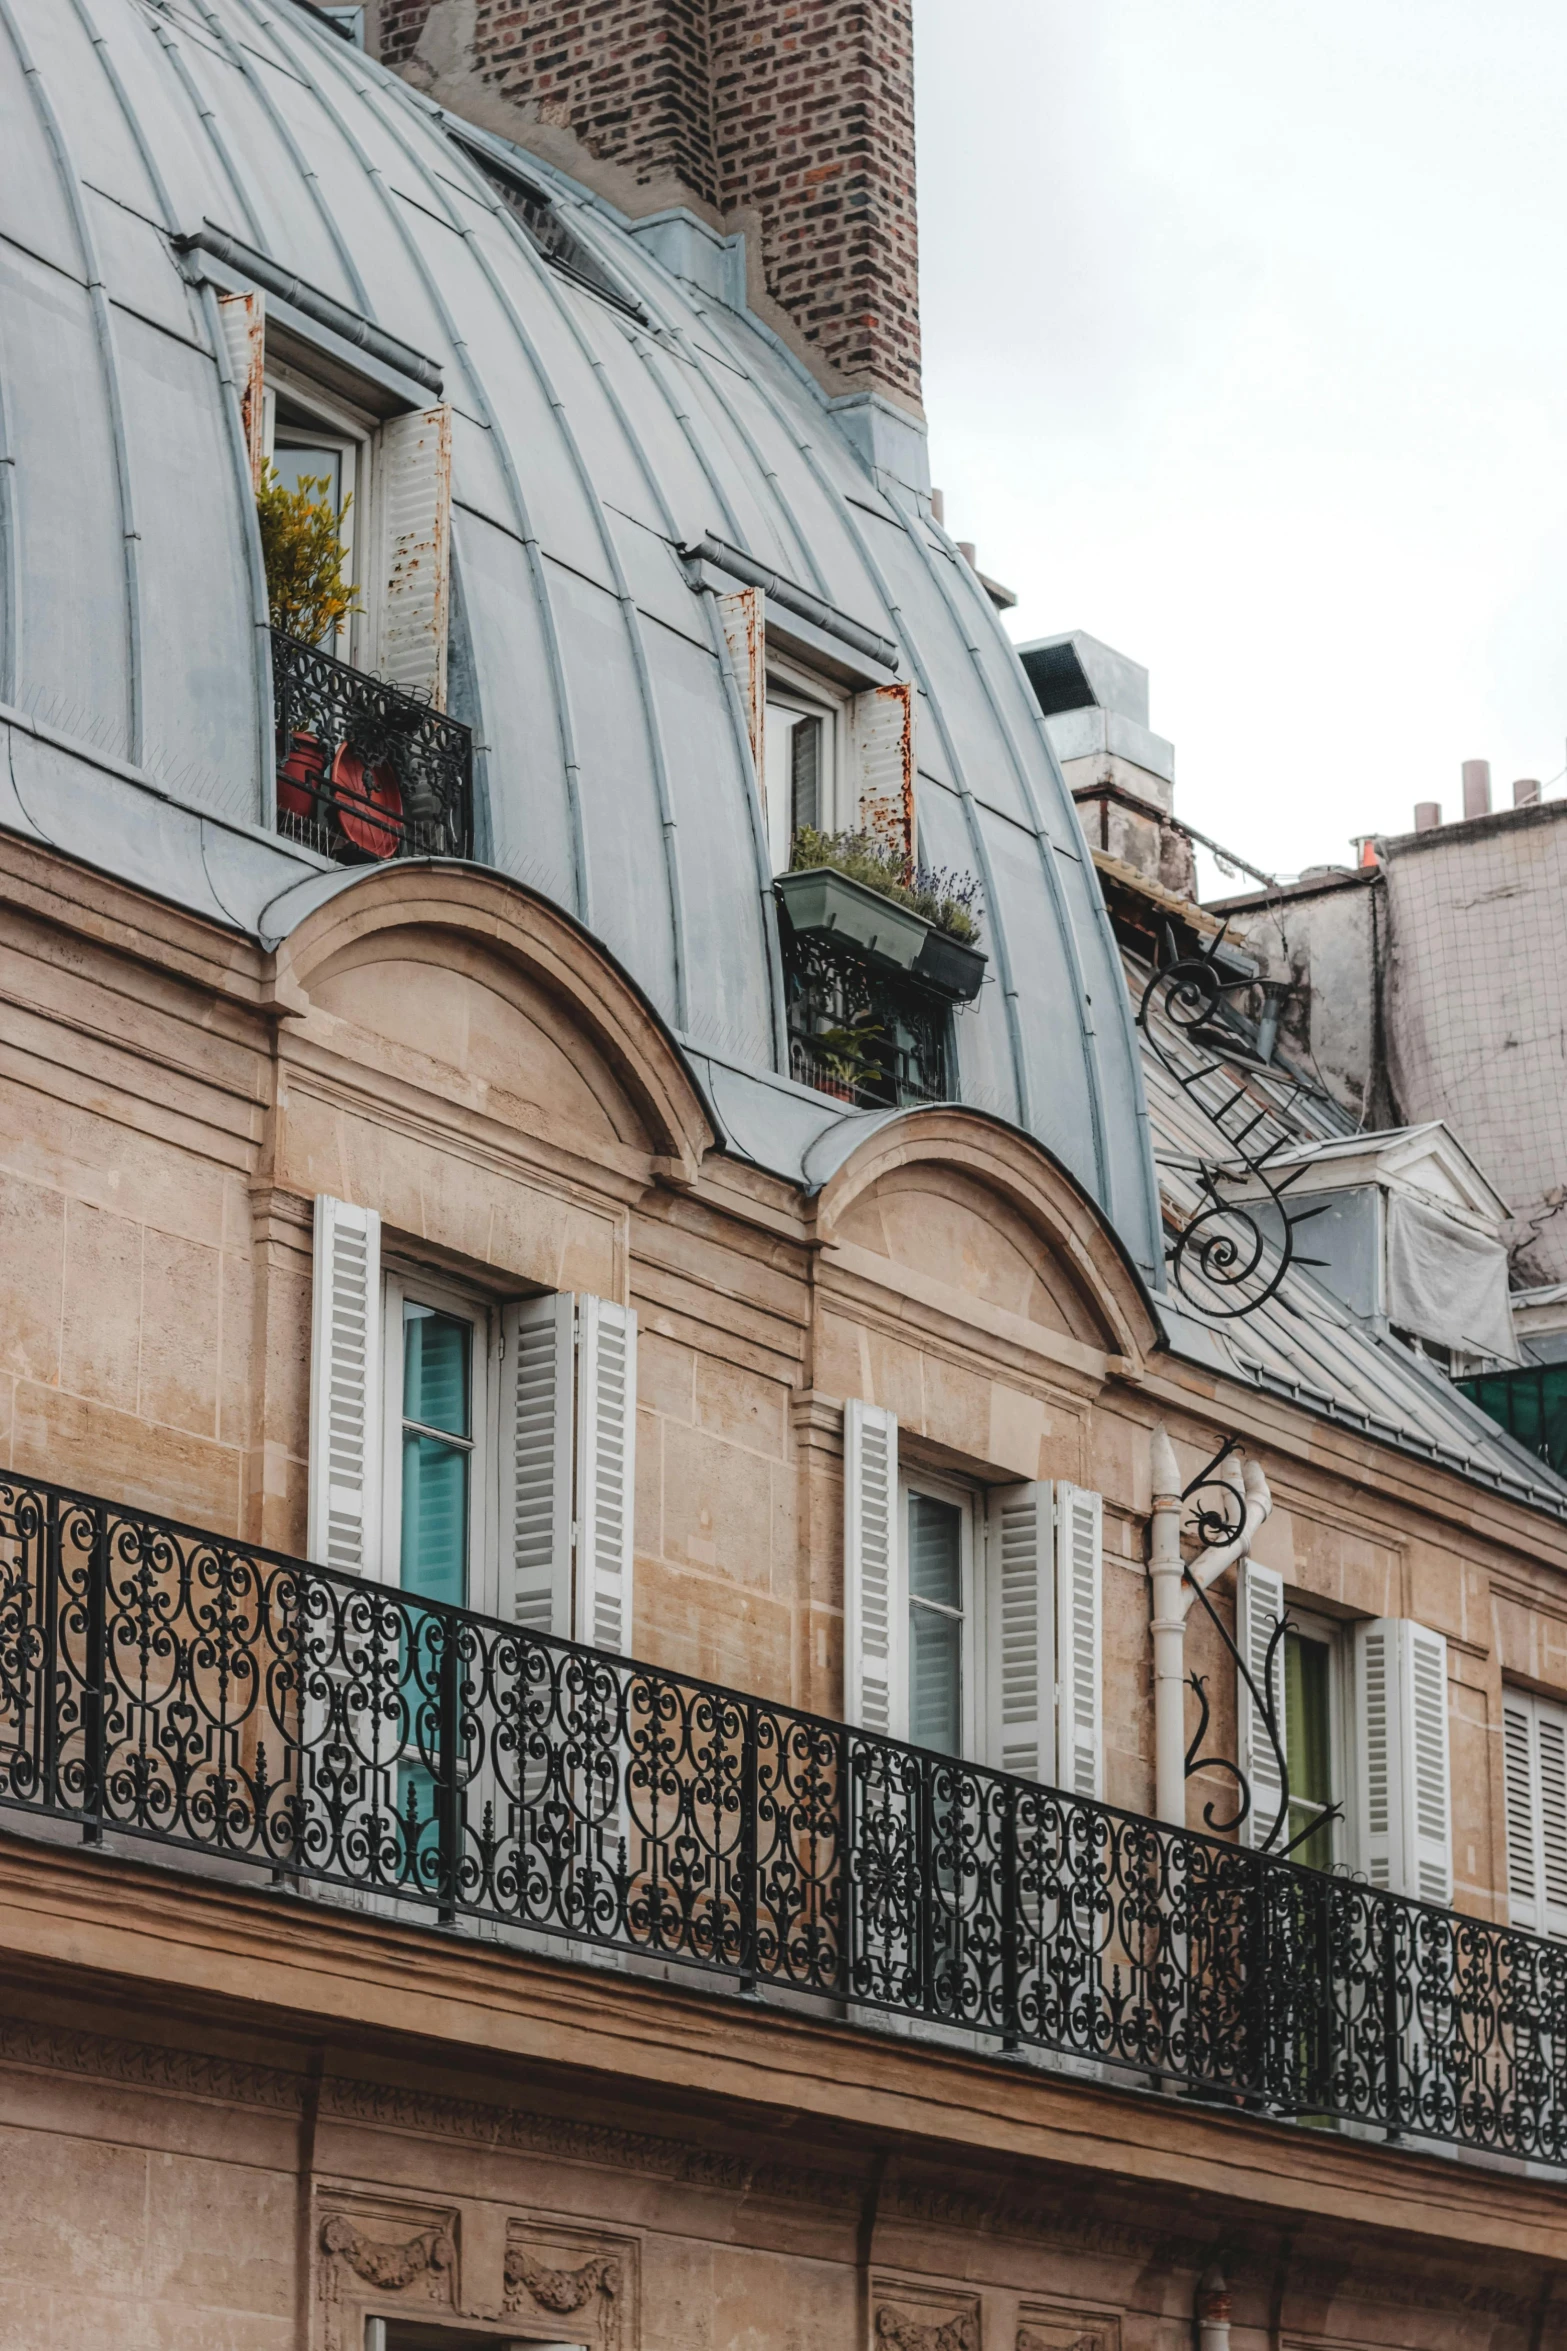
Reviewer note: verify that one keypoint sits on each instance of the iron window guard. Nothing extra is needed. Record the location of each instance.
(365, 771)
(872, 1037)
(162, 1684)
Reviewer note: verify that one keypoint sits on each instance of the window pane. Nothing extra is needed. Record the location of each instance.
(935, 1551)
(936, 1679)
(435, 1519)
(1308, 1740)
(805, 780)
(297, 462)
(436, 1354)
(778, 760)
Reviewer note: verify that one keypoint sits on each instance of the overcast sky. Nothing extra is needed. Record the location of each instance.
(1246, 350)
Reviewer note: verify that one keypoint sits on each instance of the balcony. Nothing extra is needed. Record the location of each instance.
(365, 771)
(166, 1690)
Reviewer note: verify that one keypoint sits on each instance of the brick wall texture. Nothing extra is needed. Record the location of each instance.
(795, 116)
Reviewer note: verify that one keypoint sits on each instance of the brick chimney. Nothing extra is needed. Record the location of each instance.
(790, 120)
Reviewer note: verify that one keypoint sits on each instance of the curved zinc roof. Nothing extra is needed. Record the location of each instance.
(590, 445)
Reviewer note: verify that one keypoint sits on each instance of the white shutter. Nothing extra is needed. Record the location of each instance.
(1401, 1709)
(1551, 1733)
(1521, 1767)
(875, 1599)
(1259, 1608)
(537, 1347)
(1020, 1574)
(606, 1472)
(244, 322)
(414, 586)
(1080, 1760)
(345, 1389)
(883, 727)
(742, 617)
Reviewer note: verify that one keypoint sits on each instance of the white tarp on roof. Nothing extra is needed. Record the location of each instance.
(1446, 1282)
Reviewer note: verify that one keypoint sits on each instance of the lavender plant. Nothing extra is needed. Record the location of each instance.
(942, 894)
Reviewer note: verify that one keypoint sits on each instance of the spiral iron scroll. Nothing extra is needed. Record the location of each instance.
(1224, 1259)
(1218, 1518)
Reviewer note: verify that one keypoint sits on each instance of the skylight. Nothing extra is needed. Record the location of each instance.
(535, 208)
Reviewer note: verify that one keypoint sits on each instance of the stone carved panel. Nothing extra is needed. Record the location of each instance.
(374, 2254)
(583, 2282)
(1047, 2326)
(906, 2316)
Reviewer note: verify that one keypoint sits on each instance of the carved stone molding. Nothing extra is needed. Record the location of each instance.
(188, 2073)
(388, 2106)
(899, 2332)
(1048, 2326)
(377, 2251)
(909, 2315)
(577, 2275)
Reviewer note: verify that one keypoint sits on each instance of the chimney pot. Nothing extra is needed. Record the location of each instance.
(938, 507)
(1428, 815)
(1526, 792)
(966, 550)
(1477, 787)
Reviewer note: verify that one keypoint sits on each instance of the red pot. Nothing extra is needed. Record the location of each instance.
(369, 804)
(301, 779)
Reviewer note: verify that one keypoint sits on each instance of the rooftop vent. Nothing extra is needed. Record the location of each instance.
(535, 208)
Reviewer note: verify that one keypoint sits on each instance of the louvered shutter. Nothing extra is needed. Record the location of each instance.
(742, 617)
(537, 1351)
(883, 732)
(1401, 1709)
(1521, 1765)
(243, 318)
(413, 590)
(1020, 1567)
(876, 1608)
(1079, 1522)
(1535, 1737)
(1551, 1734)
(606, 1472)
(1259, 1611)
(345, 1389)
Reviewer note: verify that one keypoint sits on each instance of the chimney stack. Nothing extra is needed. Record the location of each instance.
(1526, 792)
(1477, 787)
(792, 124)
(1428, 815)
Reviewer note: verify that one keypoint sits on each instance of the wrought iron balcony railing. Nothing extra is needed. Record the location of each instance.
(160, 1684)
(365, 771)
(875, 1038)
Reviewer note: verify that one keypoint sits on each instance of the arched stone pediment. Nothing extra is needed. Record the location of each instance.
(471, 985)
(962, 1201)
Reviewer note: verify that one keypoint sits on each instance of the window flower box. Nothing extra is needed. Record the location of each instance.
(822, 902)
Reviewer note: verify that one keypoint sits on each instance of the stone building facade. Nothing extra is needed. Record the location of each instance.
(347, 1167)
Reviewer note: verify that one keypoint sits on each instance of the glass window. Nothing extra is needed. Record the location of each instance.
(298, 462)
(437, 1452)
(797, 754)
(1308, 1741)
(936, 1608)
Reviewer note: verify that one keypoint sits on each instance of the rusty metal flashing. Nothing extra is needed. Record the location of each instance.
(707, 556)
(320, 309)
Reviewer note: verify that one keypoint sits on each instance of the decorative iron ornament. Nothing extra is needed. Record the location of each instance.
(872, 1037)
(1215, 1523)
(162, 1688)
(365, 771)
(1230, 1256)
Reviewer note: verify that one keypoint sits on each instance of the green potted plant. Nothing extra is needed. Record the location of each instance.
(906, 917)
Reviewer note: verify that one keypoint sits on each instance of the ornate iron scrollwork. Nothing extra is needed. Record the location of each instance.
(1231, 1255)
(1217, 1520)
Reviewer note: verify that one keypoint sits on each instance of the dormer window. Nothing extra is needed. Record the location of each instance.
(802, 758)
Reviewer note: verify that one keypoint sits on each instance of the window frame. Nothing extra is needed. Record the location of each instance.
(410, 1285)
(789, 685)
(972, 1615)
(1336, 1635)
(339, 424)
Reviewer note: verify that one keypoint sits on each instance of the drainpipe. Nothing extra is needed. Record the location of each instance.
(1172, 1597)
(1213, 2311)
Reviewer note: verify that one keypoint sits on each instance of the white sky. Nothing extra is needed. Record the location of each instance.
(1246, 350)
